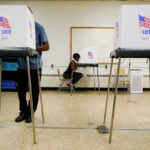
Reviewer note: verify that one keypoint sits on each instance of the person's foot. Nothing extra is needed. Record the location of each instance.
(71, 85)
(74, 87)
(21, 117)
(28, 119)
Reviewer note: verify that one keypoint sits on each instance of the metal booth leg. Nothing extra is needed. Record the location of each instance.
(41, 100)
(31, 100)
(98, 80)
(149, 72)
(103, 128)
(114, 102)
(94, 78)
(108, 89)
(0, 82)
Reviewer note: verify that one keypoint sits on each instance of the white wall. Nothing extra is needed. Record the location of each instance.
(57, 18)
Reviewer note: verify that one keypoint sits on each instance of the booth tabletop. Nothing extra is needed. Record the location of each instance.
(87, 65)
(18, 52)
(130, 53)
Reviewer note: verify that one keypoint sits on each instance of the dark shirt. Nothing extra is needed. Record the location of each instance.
(69, 69)
(40, 38)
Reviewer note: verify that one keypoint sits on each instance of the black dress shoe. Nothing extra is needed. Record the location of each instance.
(21, 117)
(28, 119)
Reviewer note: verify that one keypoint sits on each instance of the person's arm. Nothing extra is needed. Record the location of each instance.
(73, 65)
(42, 39)
(44, 47)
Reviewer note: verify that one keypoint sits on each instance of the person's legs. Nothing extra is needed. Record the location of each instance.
(22, 83)
(35, 88)
(66, 76)
(76, 77)
(35, 93)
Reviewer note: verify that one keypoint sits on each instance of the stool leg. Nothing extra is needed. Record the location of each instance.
(0, 82)
(72, 89)
(110, 74)
(41, 100)
(60, 87)
(31, 100)
(114, 102)
(98, 80)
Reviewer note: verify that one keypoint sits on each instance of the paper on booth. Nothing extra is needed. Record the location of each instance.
(17, 27)
(132, 27)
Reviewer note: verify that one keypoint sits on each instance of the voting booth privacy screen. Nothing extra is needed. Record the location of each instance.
(89, 55)
(132, 27)
(17, 27)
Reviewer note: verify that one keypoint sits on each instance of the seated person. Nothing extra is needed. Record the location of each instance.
(70, 72)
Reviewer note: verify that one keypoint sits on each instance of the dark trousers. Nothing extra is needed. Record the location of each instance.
(23, 88)
(76, 76)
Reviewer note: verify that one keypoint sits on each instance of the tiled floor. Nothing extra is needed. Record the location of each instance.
(71, 121)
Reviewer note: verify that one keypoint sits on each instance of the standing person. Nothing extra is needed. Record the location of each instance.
(70, 72)
(42, 44)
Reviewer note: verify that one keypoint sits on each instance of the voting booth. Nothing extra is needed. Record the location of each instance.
(132, 27)
(17, 39)
(132, 40)
(17, 27)
(89, 55)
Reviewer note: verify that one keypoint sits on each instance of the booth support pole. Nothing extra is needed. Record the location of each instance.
(108, 89)
(149, 72)
(31, 100)
(98, 79)
(114, 102)
(0, 82)
(94, 78)
(41, 100)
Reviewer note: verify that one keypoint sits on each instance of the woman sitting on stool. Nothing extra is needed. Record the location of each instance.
(70, 72)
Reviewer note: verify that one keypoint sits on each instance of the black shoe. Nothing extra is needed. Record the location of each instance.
(28, 119)
(71, 85)
(21, 117)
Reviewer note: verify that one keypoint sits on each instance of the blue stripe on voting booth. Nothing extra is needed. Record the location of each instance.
(9, 84)
(9, 66)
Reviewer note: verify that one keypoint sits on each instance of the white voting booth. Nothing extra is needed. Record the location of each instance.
(17, 39)
(89, 58)
(89, 55)
(132, 31)
(17, 28)
(132, 40)
(132, 27)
